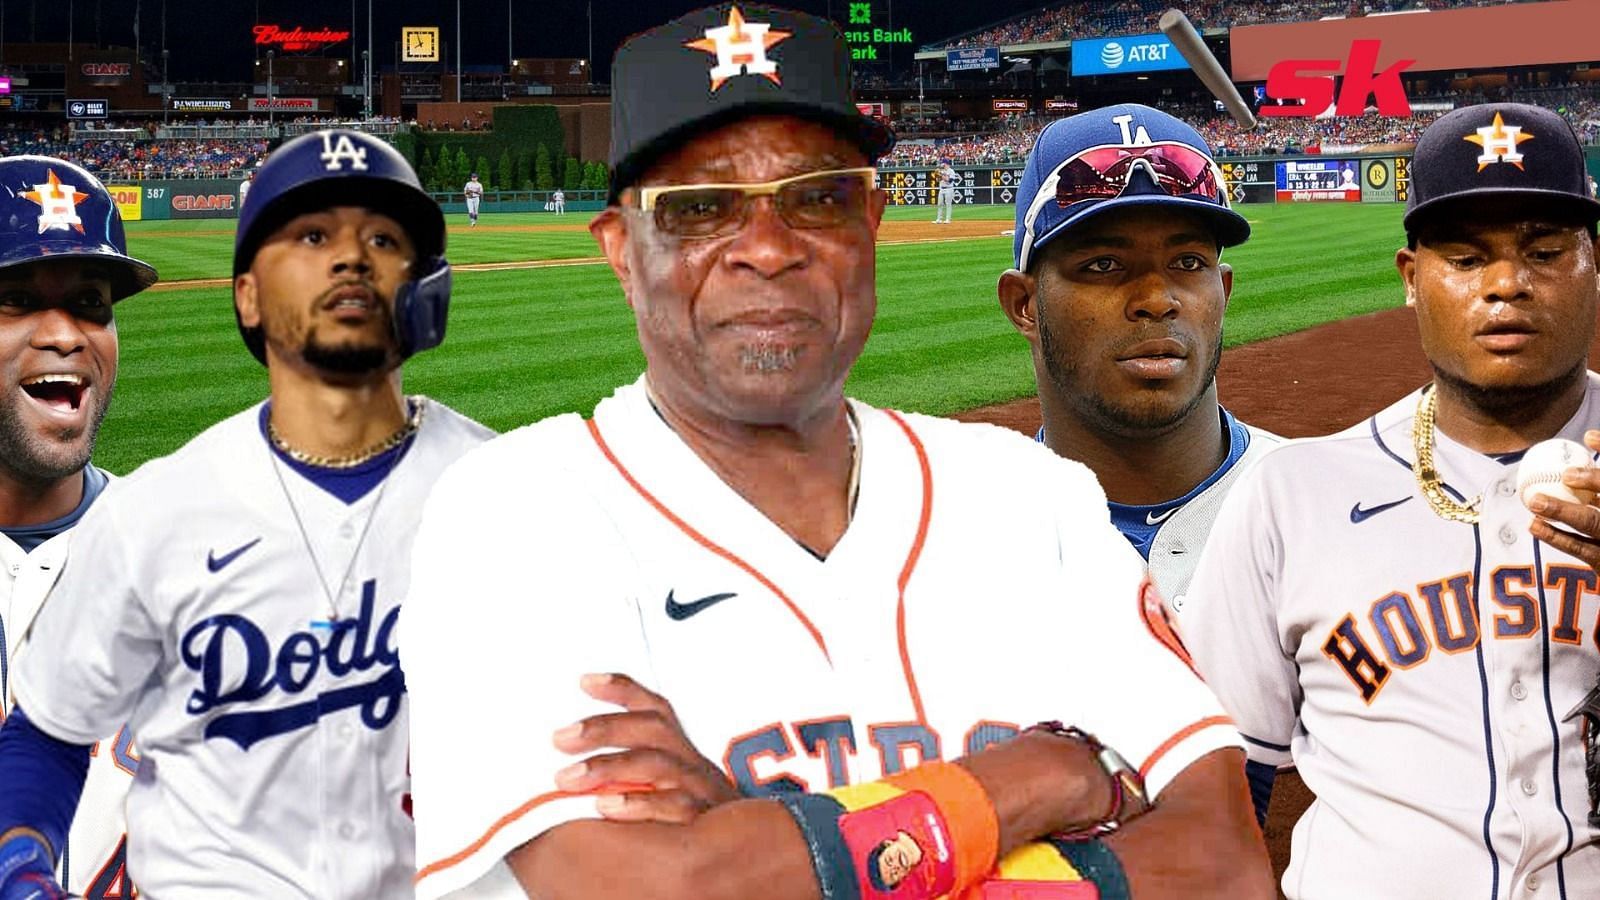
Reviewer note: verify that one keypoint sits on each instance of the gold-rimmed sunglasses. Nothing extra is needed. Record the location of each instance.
(813, 200)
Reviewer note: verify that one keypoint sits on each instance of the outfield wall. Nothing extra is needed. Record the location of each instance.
(215, 198)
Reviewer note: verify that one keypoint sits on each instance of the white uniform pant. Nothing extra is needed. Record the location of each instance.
(472, 206)
(947, 199)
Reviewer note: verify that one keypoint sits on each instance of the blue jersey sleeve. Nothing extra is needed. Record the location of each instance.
(43, 778)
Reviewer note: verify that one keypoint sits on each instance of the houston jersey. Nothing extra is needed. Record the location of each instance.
(92, 863)
(954, 611)
(1417, 670)
(271, 727)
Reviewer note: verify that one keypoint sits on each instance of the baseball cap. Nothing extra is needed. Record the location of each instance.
(1494, 150)
(722, 63)
(1155, 154)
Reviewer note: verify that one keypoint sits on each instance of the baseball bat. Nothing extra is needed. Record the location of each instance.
(1175, 25)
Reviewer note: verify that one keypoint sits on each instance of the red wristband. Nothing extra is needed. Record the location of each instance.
(968, 812)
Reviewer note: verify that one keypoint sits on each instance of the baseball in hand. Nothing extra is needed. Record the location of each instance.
(1541, 468)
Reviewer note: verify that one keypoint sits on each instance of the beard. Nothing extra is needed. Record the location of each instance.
(1515, 403)
(344, 359)
(44, 460)
(1131, 419)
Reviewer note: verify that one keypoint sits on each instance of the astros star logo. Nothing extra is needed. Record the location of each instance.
(740, 46)
(1499, 142)
(57, 203)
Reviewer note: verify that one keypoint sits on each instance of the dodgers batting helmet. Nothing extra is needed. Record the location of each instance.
(53, 209)
(338, 167)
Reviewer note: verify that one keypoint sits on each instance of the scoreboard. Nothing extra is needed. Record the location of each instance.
(1318, 180)
(1250, 181)
(974, 185)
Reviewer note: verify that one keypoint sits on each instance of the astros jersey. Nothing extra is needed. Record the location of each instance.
(92, 864)
(1417, 670)
(271, 724)
(929, 631)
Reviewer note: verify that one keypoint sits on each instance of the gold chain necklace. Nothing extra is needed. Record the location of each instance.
(350, 461)
(1444, 505)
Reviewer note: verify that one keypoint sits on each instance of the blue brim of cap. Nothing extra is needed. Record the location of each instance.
(1232, 228)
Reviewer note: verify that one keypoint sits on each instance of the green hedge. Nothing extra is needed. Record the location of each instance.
(516, 128)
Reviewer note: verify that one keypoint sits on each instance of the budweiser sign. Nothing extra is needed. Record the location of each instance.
(298, 38)
(295, 104)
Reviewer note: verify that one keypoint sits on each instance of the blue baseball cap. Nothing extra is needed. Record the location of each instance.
(1127, 131)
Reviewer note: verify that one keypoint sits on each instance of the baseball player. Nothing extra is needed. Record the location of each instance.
(946, 175)
(236, 602)
(474, 194)
(1120, 290)
(244, 187)
(559, 200)
(779, 578)
(58, 347)
(1379, 605)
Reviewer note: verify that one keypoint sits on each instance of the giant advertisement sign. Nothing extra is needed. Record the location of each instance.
(1517, 34)
(204, 198)
(1130, 53)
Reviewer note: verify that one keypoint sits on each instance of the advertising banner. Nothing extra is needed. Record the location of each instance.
(284, 104)
(129, 199)
(972, 59)
(190, 104)
(1377, 180)
(1318, 181)
(203, 198)
(1130, 53)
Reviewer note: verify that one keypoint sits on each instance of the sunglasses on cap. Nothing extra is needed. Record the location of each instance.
(1104, 172)
(813, 200)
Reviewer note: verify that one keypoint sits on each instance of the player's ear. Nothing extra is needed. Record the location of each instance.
(876, 206)
(1227, 282)
(1018, 291)
(610, 230)
(246, 300)
(1405, 261)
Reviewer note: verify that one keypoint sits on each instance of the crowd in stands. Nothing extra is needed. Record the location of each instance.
(1081, 19)
(1010, 139)
(111, 152)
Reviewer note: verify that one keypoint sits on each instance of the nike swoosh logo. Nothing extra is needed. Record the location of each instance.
(216, 563)
(1359, 515)
(1153, 519)
(677, 612)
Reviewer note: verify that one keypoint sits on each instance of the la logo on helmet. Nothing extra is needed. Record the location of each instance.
(740, 46)
(58, 203)
(334, 154)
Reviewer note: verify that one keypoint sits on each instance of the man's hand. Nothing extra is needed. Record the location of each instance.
(1582, 521)
(657, 776)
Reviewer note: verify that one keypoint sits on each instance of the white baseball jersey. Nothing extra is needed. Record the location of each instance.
(244, 191)
(92, 863)
(272, 728)
(474, 192)
(947, 178)
(954, 611)
(1416, 670)
(1169, 535)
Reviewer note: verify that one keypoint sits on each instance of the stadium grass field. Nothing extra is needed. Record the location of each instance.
(530, 342)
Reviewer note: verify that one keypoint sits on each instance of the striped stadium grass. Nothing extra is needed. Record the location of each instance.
(525, 344)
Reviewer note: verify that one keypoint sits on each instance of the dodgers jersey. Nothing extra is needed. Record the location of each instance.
(272, 729)
(1416, 670)
(954, 611)
(92, 864)
(1169, 535)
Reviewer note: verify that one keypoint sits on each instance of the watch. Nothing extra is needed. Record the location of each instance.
(1128, 795)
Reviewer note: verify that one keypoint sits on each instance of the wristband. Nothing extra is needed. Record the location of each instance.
(27, 869)
(931, 832)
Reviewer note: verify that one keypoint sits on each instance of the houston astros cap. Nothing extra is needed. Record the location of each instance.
(1115, 157)
(1498, 149)
(723, 63)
